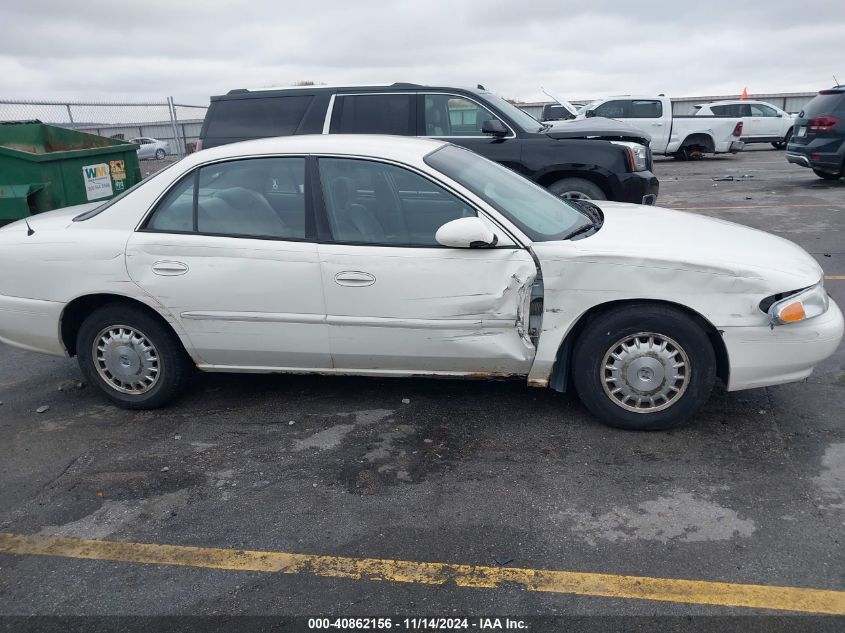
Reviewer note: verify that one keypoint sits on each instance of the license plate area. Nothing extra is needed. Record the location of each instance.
(802, 131)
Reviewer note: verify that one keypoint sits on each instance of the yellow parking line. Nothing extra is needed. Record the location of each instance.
(760, 206)
(404, 571)
(834, 277)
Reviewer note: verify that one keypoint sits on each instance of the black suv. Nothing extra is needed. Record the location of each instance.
(594, 159)
(818, 136)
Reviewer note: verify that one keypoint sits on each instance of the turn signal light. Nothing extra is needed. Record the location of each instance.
(792, 313)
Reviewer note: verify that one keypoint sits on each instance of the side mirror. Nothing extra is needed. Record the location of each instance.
(494, 127)
(466, 233)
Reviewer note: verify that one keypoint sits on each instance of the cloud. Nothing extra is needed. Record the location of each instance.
(59, 50)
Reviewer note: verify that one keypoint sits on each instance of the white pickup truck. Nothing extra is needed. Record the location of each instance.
(684, 137)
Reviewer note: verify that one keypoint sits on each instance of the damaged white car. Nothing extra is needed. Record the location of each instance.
(389, 256)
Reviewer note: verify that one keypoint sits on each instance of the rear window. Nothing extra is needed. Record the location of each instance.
(253, 118)
(824, 104)
(374, 114)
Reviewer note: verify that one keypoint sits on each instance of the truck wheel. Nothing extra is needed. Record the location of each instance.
(691, 152)
(643, 367)
(782, 144)
(136, 361)
(577, 189)
(827, 175)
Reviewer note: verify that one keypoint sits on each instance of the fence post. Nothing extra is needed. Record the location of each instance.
(180, 150)
(70, 115)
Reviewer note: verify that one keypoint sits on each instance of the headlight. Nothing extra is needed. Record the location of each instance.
(637, 154)
(799, 306)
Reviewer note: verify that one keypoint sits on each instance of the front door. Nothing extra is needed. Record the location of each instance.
(399, 303)
(458, 119)
(227, 252)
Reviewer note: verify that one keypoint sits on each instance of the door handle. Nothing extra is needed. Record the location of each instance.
(170, 268)
(354, 278)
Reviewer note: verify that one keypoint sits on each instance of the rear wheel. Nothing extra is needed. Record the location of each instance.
(160, 154)
(577, 189)
(643, 367)
(134, 359)
(827, 175)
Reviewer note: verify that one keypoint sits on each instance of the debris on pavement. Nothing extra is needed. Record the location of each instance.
(42, 409)
(165, 469)
(406, 401)
(503, 560)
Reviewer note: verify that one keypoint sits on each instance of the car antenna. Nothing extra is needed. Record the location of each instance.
(29, 230)
(835, 81)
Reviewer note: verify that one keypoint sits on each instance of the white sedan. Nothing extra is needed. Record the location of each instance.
(388, 256)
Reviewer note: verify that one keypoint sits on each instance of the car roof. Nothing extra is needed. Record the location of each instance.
(738, 101)
(394, 87)
(404, 149)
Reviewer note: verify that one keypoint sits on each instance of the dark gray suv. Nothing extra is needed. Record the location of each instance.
(818, 136)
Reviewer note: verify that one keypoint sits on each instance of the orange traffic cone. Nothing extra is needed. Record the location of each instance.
(744, 94)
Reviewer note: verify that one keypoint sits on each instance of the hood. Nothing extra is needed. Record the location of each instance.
(58, 218)
(597, 127)
(664, 238)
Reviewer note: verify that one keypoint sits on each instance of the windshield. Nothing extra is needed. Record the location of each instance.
(520, 117)
(542, 216)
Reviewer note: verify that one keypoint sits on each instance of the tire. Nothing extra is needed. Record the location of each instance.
(827, 175)
(578, 188)
(614, 332)
(160, 154)
(141, 379)
(782, 144)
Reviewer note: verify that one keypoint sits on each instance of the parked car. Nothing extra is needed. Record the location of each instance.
(599, 160)
(150, 148)
(761, 122)
(684, 137)
(818, 140)
(390, 256)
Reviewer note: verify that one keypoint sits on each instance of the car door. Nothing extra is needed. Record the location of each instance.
(228, 251)
(458, 119)
(399, 303)
(768, 121)
(647, 114)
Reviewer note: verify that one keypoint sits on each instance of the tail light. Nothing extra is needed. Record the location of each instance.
(823, 123)
(738, 129)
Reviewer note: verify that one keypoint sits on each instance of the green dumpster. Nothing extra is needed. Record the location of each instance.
(44, 167)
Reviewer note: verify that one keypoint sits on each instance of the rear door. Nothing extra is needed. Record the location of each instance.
(228, 251)
(399, 303)
(767, 121)
(374, 113)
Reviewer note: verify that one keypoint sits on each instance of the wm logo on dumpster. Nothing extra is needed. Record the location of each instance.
(95, 171)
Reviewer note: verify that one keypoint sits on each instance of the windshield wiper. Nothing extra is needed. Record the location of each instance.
(581, 230)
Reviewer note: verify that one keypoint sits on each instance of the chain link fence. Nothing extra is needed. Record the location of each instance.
(176, 124)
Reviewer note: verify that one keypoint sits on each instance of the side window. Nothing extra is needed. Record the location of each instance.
(175, 211)
(374, 114)
(642, 109)
(448, 115)
(255, 118)
(611, 110)
(375, 203)
(259, 197)
(758, 109)
(720, 110)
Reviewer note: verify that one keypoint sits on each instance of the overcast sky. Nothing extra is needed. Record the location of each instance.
(58, 49)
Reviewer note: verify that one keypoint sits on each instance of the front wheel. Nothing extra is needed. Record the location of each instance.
(782, 144)
(160, 154)
(577, 189)
(134, 359)
(643, 367)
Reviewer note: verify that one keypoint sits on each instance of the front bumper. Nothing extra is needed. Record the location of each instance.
(31, 324)
(761, 355)
(639, 187)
